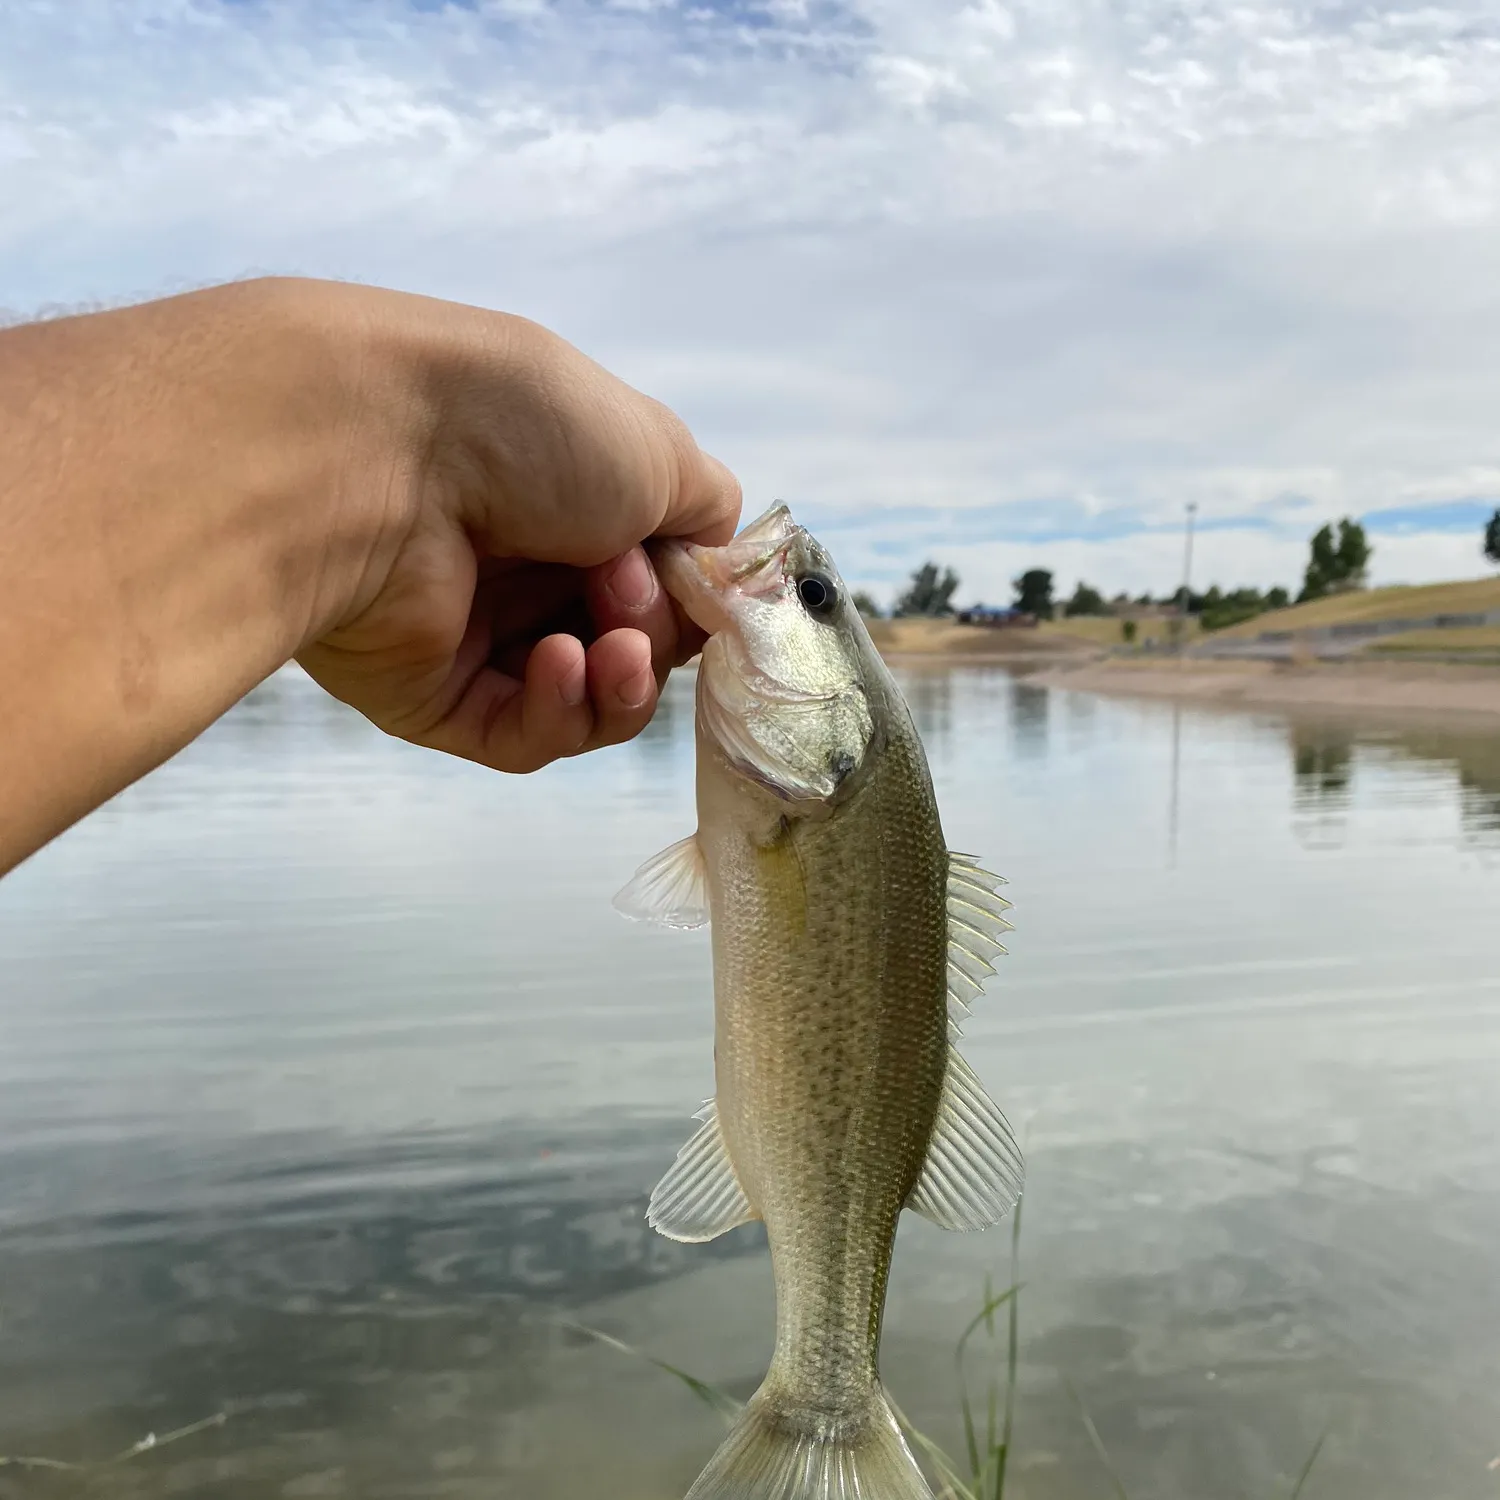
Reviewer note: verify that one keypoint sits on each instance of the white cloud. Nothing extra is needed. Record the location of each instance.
(1090, 262)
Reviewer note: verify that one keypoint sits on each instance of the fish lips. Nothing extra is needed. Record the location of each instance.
(703, 580)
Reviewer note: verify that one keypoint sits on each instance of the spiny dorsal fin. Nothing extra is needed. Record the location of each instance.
(670, 889)
(700, 1198)
(975, 922)
(974, 1173)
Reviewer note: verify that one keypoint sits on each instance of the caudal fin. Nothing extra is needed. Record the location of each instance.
(769, 1455)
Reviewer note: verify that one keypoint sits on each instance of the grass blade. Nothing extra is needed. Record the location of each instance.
(1012, 1355)
(710, 1395)
(1307, 1468)
(991, 1303)
(984, 1316)
(1098, 1442)
(143, 1445)
(954, 1487)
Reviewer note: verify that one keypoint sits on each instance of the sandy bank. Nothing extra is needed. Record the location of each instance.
(946, 640)
(1384, 686)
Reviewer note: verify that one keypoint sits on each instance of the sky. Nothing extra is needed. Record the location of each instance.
(1003, 285)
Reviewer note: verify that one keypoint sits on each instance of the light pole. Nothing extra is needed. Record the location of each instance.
(1187, 575)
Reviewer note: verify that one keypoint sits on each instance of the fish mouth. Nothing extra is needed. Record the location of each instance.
(704, 579)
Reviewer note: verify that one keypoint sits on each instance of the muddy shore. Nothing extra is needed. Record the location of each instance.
(1339, 687)
(1385, 685)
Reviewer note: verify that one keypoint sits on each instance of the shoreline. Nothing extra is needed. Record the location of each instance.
(1351, 686)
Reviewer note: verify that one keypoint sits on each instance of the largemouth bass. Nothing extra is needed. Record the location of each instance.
(847, 943)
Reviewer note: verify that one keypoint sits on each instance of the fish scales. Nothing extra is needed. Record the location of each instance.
(847, 941)
(831, 1046)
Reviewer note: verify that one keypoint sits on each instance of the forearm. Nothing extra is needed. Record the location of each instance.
(419, 499)
(175, 523)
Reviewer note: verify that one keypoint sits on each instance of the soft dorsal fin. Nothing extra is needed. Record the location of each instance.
(670, 889)
(700, 1198)
(974, 1172)
(976, 920)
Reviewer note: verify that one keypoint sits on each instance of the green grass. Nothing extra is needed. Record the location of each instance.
(1105, 630)
(1395, 603)
(1459, 638)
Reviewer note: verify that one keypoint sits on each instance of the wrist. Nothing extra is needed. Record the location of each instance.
(346, 402)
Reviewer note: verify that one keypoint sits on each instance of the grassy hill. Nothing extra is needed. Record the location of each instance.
(1476, 638)
(1103, 630)
(1378, 604)
(921, 637)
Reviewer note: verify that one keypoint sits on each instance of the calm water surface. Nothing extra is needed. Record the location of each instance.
(331, 1088)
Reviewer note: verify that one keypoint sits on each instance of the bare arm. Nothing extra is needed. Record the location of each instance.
(436, 509)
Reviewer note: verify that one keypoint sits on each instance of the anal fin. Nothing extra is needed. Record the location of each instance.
(974, 1172)
(700, 1198)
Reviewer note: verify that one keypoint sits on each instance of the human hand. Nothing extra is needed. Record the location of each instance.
(438, 510)
(506, 611)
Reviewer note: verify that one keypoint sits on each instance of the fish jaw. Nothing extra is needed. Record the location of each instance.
(712, 584)
(781, 690)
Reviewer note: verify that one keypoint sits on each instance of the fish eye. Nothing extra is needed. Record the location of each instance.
(818, 593)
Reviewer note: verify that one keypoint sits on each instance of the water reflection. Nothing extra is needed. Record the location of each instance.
(1474, 754)
(929, 695)
(1321, 763)
(329, 1084)
(1327, 758)
(1030, 712)
(345, 1323)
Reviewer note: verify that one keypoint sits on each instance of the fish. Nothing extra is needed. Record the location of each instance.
(848, 942)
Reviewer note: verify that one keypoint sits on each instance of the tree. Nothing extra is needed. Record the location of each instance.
(1334, 565)
(1085, 601)
(866, 605)
(1353, 554)
(930, 593)
(1277, 598)
(1034, 593)
(1221, 610)
(1322, 565)
(1492, 538)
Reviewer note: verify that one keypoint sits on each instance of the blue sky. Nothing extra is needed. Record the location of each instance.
(1002, 284)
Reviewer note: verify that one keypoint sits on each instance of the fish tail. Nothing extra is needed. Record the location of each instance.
(772, 1455)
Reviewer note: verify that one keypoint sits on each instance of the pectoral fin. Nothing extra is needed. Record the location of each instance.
(670, 889)
(700, 1198)
(973, 1174)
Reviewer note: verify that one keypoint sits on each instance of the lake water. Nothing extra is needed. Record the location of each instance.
(332, 1089)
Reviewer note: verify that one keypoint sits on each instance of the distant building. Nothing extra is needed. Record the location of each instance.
(994, 616)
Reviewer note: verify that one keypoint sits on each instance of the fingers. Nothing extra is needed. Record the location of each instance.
(625, 593)
(707, 507)
(622, 687)
(541, 453)
(569, 701)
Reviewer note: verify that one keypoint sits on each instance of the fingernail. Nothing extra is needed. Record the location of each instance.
(632, 583)
(573, 687)
(635, 690)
